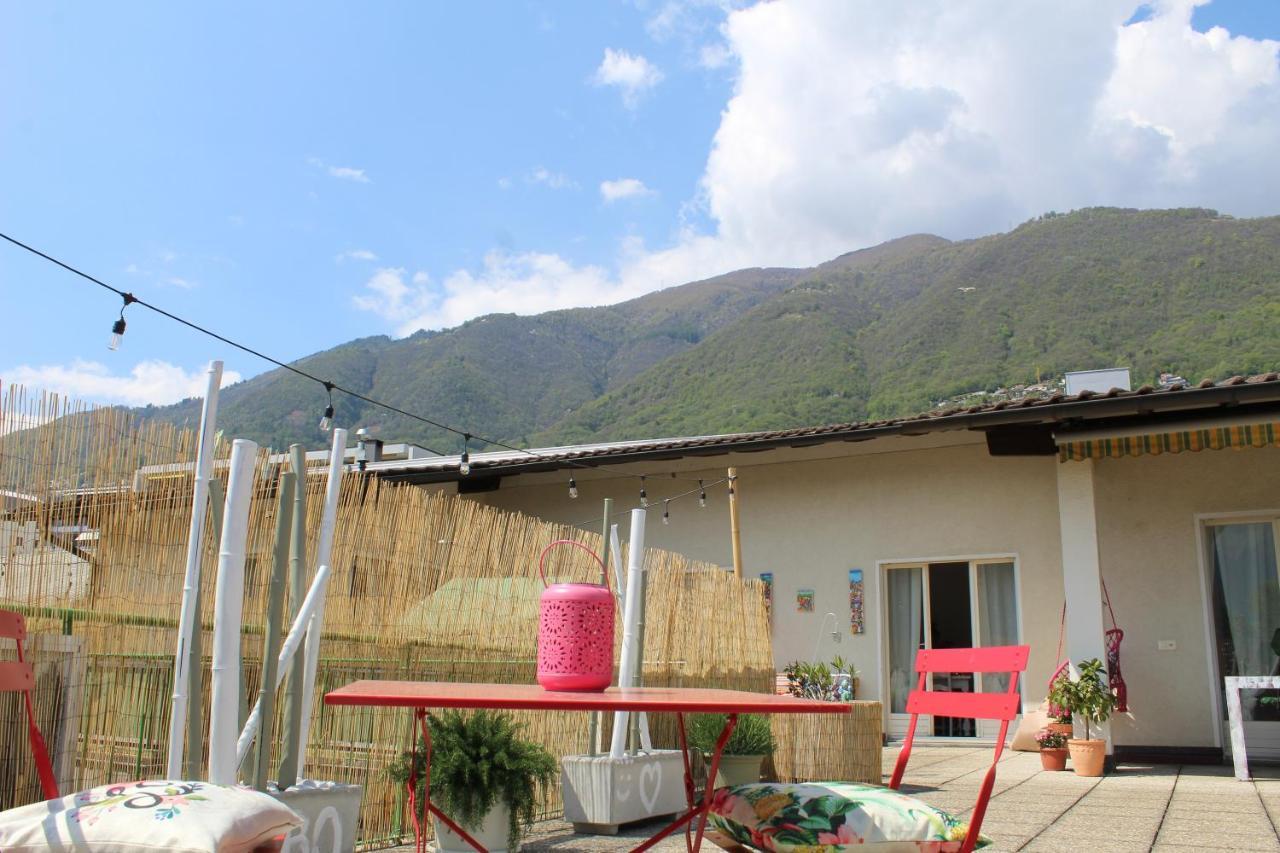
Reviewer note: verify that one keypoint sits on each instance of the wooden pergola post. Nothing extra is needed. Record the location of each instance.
(735, 530)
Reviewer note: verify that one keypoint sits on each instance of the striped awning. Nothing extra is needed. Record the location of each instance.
(1154, 444)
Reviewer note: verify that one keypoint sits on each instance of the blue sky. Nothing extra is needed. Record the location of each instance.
(297, 175)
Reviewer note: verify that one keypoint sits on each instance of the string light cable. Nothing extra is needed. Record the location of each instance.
(666, 504)
(329, 386)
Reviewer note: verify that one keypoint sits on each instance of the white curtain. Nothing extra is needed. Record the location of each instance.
(997, 616)
(906, 602)
(1244, 560)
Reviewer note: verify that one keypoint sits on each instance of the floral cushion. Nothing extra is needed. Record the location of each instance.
(148, 816)
(832, 817)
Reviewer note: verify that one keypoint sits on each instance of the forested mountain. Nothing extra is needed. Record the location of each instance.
(878, 332)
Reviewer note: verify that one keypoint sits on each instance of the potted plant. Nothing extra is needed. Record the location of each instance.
(748, 745)
(1053, 749)
(1059, 717)
(846, 679)
(1090, 699)
(483, 776)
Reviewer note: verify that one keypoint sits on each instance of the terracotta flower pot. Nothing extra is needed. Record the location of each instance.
(1061, 728)
(1054, 759)
(1087, 756)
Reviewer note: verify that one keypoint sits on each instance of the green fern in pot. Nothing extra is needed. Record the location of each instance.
(479, 762)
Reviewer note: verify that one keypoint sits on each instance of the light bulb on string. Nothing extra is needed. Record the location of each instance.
(644, 496)
(117, 328)
(666, 512)
(573, 488)
(326, 420)
(702, 495)
(464, 464)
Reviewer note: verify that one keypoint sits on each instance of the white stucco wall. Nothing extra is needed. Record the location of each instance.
(1149, 512)
(809, 515)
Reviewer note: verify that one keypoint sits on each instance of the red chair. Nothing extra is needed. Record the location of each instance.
(983, 706)
(18, 676)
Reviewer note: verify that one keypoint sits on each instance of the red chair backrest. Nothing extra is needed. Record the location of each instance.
(18, 676)
(1011, 660)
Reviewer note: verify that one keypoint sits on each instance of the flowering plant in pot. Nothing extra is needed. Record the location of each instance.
(745, 751)
(1090, 699)
(483, 776)
(1053, 749)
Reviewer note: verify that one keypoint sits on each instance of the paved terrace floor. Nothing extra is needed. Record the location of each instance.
(1136, 808)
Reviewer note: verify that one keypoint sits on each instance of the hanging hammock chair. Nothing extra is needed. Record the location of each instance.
(1112, 638)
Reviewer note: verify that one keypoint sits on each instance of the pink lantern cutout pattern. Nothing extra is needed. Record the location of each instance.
(575, 630)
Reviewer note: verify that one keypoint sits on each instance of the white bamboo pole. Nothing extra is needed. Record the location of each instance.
(324, 551)
(630, 618)
(287, 650)
(188, 617)
(228, 610)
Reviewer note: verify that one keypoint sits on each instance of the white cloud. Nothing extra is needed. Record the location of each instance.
(856, 121)
(355, 255)
(631, 73)
(344, 173)
(504, 183)
(714, 55)
(148, 382)
(183, 283)
(612, 191)
(548, 178)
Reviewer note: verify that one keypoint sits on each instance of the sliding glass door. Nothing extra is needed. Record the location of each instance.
(1244, 569)
(942, 605)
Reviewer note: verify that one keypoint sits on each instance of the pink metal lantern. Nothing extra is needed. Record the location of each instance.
(575, 630)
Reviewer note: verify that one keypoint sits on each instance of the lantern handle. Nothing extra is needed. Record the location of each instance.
(542, 559)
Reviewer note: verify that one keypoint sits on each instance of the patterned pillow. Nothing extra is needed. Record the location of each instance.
(148, 816)
(833, 817)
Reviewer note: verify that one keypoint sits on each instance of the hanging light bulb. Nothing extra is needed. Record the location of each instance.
(666, 512)
(573, 488)
(644, 496)
(464, 464)
(117, 328)
(702, 495)
(326, 420)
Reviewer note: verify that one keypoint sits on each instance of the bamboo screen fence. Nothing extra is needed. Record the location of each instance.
(94, 508)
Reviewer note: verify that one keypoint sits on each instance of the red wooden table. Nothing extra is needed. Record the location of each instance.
(421, 695)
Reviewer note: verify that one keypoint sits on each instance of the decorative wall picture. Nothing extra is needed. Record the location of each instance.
(855, 602)
(804, 601)
(766, 578)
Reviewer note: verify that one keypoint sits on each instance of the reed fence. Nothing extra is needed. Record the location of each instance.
(94, 508)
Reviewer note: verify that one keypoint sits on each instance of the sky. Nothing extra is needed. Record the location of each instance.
(296, 175)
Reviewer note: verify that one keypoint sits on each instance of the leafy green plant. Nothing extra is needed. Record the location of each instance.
(478, 761)
(751, 736)
(1088, 697)
(817, 681)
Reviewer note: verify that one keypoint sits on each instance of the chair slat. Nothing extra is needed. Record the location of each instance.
(982, 706)
(16, 676)
(992, 659)
(13, 626)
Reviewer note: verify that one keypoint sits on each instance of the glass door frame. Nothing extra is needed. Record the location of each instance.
(923, 563)
(1203, 521)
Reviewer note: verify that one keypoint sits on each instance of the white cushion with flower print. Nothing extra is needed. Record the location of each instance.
(834, 817)
(147, 816)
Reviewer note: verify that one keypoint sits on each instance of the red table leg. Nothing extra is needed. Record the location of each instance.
(695, 811)
(419, 831)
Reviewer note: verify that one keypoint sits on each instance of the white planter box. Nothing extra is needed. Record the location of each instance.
(330, 813)
(603, 793)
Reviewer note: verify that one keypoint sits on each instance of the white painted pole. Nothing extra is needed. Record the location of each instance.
(324, 552)
(188, 617)
(630, 621)
(287, 650)
(228, 609)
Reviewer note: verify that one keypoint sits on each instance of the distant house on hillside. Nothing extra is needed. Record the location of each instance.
(973, 526)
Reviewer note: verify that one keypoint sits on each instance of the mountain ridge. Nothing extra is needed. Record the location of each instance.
(877, 332)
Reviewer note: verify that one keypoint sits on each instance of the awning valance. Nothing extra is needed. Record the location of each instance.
(1235, 437)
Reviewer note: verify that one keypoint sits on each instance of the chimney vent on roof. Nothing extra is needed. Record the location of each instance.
(1098, 381)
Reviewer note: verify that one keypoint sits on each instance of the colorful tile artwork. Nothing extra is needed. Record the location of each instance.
(855, 601)
(804, 600)
(766, 578)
